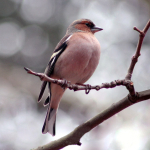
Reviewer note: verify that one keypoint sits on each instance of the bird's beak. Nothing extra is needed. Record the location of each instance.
(96, 29)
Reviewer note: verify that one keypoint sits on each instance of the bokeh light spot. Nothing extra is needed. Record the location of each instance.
(8, 38)
(33, 40)
(129, 138)
(36, 10)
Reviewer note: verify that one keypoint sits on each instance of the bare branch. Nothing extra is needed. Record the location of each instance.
(137, 54)
(76, 87)
(74, 137)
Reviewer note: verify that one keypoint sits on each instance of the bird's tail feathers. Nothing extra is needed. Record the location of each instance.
(47, 101)
(50, 121)
(43, 86)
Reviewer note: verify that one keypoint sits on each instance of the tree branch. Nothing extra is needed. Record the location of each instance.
(86, 87)
(138, 49)
(74, 137)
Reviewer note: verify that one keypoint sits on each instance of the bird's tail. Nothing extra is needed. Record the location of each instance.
(53, 101)
(50, 121)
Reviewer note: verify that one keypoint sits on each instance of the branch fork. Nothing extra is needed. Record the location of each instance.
(141, 32)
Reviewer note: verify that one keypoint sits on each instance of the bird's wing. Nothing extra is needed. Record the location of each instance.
(50, 67)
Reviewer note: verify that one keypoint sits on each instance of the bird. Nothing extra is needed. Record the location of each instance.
(74, 59)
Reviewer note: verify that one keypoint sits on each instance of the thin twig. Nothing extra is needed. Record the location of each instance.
(76, 87)
(138, 49)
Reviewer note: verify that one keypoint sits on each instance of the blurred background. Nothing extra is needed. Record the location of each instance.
(29, 32)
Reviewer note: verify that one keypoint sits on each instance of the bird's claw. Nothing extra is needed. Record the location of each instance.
(64, 84)
(87, 88)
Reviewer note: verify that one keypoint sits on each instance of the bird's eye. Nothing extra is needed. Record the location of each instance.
(88, 25)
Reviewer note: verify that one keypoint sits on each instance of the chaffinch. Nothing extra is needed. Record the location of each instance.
(75, 58)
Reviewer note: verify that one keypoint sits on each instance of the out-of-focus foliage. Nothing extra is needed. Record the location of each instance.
(30, 30)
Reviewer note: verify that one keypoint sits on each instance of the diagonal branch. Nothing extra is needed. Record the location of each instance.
(74, 137)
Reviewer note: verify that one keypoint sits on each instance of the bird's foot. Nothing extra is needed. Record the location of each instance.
(64, 83)
(87, 87)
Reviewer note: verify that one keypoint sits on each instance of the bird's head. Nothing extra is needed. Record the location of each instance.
(83, 25)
